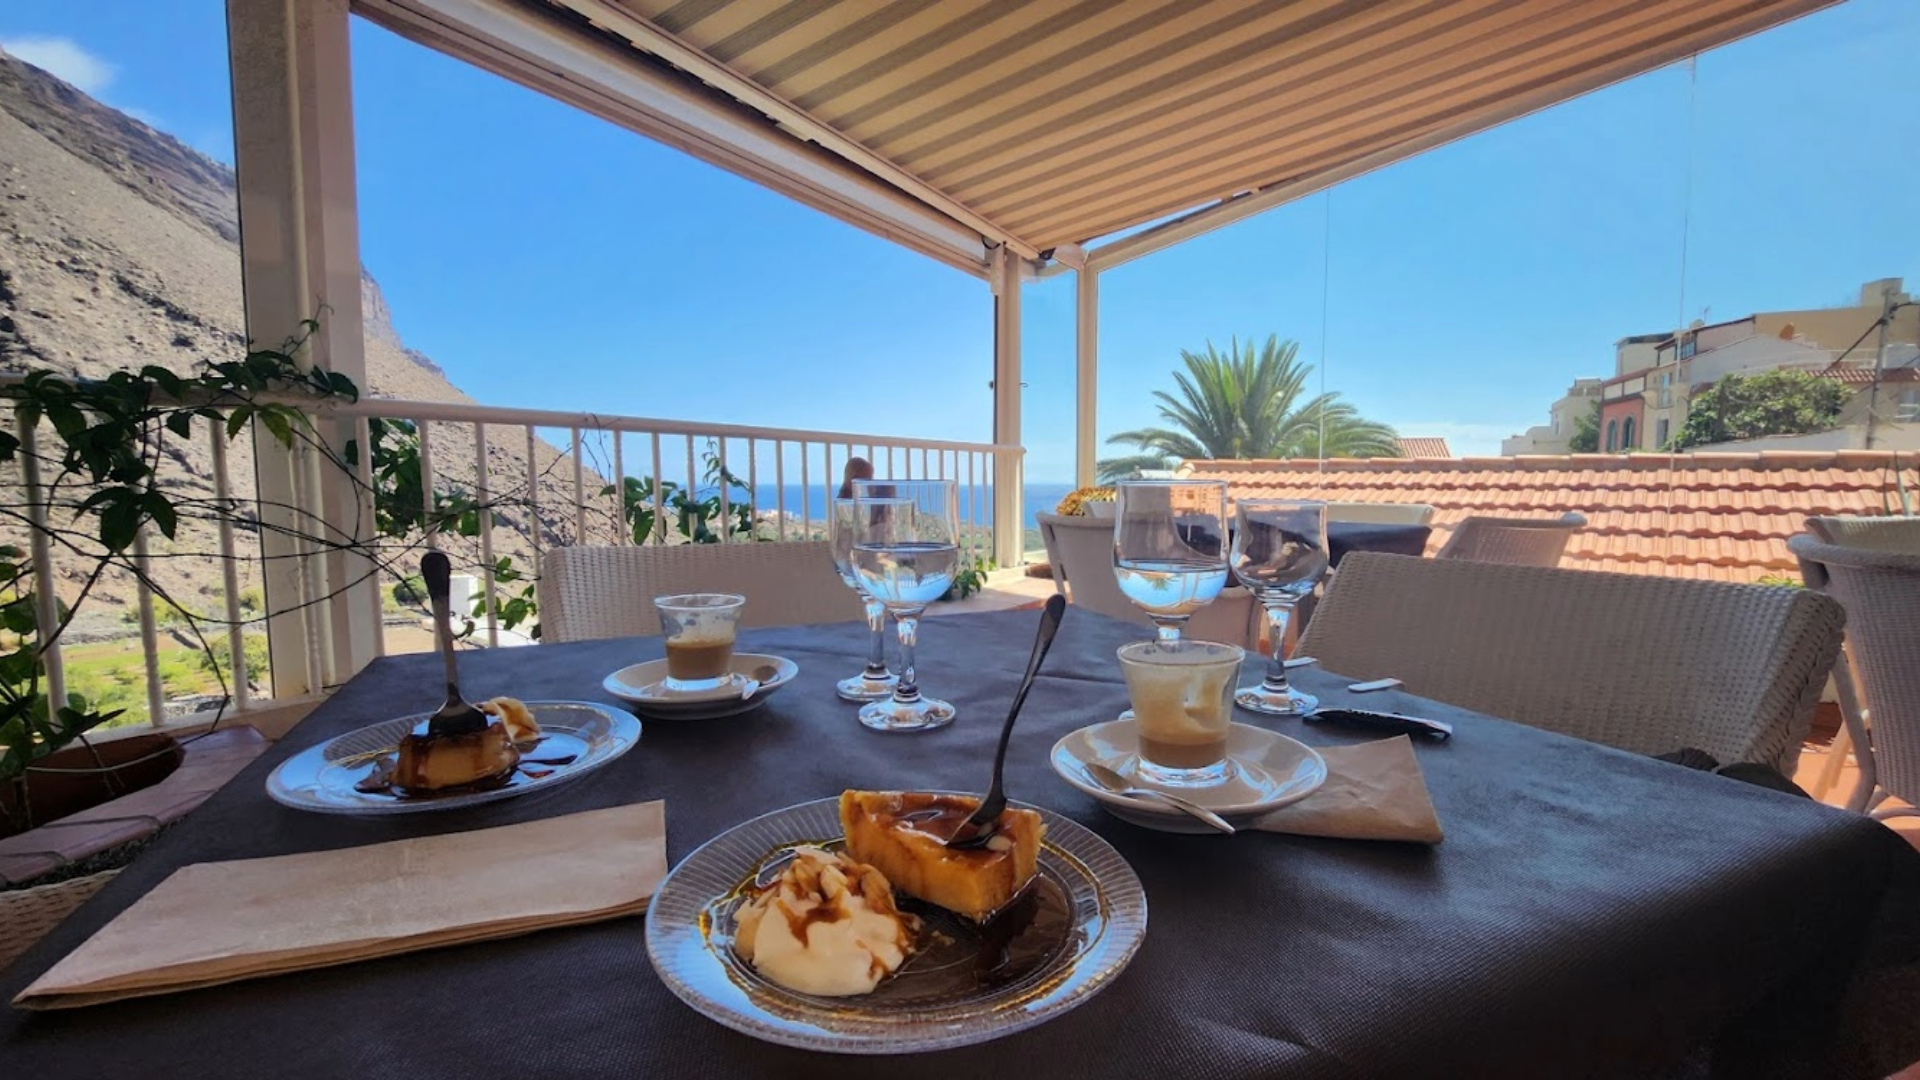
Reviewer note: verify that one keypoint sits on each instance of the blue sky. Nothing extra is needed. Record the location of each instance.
(547, 259)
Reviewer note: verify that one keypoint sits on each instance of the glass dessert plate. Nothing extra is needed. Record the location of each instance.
(1065, 939)
(322, 778)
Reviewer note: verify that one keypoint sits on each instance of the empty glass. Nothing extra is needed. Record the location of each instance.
(876, 682)
(905, 554)
(1279, 553)
(1170, 547)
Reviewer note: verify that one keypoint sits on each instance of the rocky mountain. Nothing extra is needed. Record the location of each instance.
(119, 248)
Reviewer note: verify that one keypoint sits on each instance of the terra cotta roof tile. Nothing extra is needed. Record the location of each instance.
(1720, 516)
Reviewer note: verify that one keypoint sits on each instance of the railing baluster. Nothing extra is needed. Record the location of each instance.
(753, 491)
(483, 489)
(579, 493)
(806, 497)
(426, 484)
(622, 532)
(923, 461)
(659, 533)
(363, 498)
(726, 507)
(780, 483)
(312, 611)
(149, 631)
(230, 566)
(46, 604)
(890, 464)
(693, 478)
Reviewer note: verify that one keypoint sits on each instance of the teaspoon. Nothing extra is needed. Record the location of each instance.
(1114, 782)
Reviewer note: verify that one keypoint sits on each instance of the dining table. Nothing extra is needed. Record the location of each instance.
(1590, 912)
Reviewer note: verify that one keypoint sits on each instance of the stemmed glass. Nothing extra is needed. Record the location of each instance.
(876, 682)
(1170, 547)
(1279, 552)
(905, 553)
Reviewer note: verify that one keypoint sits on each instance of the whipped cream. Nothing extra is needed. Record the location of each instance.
(827, 926)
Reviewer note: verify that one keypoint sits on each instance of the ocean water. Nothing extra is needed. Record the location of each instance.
(1040, 499)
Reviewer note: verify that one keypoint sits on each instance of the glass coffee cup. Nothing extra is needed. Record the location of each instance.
(699, 629)
(1182, 695)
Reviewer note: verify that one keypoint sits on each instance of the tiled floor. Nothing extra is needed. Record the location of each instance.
(1811, 760)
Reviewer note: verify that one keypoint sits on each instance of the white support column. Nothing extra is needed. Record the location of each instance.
(300, 259)
(1086, 385)
(1009, 514)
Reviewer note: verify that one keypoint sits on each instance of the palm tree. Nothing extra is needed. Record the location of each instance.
(1246, 404)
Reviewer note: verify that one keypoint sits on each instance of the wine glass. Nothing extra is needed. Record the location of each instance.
(1279, 553)
(876, 682)
(905, 553)
(1170, 547)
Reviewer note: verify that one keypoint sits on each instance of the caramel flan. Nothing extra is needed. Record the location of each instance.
(436, 761)
(903, 835)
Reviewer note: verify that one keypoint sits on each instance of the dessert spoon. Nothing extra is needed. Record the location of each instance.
(456, 716)
(978, 829)
(1114, 782)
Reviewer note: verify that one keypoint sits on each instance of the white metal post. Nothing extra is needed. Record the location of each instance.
(1086, 386)
(1008, 512)
(300, 259)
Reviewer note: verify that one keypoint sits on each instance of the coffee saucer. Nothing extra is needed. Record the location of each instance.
(1268, 771)
(643, 686)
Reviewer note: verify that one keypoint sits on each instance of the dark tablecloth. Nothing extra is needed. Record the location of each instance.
(1592, 912)
(1346, 536)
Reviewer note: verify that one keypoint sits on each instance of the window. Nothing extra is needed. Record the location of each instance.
(1613, 436)
(1907, 409)
(1626, 434)
(1687, 346)
(1659, 434)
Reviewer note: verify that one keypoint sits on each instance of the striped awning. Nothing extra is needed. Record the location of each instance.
(1049, 123)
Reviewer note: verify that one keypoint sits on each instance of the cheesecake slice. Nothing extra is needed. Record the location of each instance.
(430, 762)
(903, 835)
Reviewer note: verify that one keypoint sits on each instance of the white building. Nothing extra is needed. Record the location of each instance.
(1556, 437)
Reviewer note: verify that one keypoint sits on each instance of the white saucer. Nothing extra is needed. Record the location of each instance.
(1269, 771)
(643, 686)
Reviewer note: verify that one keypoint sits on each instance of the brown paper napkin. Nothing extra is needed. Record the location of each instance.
(1374, 791)
(213, 923)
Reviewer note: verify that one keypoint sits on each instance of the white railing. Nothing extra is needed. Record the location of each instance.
(563, 479)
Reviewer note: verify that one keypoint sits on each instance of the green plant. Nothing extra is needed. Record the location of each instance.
(1783, 580)
(971, 577)
(1247, 403)
(513, 608)
(217, 660)
(1784, 402)
(109, 436)
(693, 516)
(1586, 432)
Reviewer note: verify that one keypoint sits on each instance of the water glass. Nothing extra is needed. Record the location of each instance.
(905, 553)
(876, 682)
(1279, 553)
(1170, 547)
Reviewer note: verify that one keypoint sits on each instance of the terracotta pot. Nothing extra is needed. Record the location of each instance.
(69, 781)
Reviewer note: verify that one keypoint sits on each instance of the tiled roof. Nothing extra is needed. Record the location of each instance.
(1424, 446)
(1863, 376)
(1725, 517)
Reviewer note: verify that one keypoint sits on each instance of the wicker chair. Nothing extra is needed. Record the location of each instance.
(603, 592)
(1513, 541)
(1074, 543)
(27, 914)
(1898, 534)
(1893, 533)
(1646, 664)
(1881, 593)
(1381, 513)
